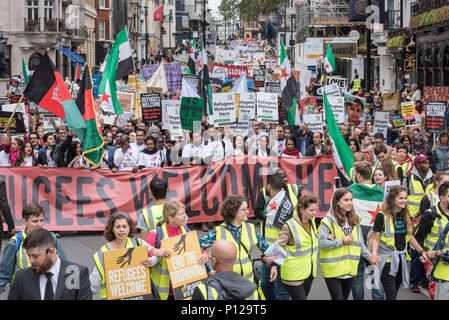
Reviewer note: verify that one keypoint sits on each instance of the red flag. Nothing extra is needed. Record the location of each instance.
(158, 14)
(78, 72)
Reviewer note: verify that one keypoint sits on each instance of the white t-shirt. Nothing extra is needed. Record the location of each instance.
(27, 162)
(150, 160)
(127, 161)
(213, 149)
(191, 151)
(104, 163)
(136, 146)
(280, 146)
(50, 161)
(4, 159)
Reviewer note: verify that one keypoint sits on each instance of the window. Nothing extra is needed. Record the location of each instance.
(102, 4)
(101, 30)
(48, 9)
(5, 61)
(33, 8)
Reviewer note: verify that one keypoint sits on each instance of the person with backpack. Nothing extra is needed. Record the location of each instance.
(225, 284)
(14, 256)
(150, 216)
(392, 231)
(118, 232)
(173, 223)
(440, 257)
(299, 238)
(236, 229)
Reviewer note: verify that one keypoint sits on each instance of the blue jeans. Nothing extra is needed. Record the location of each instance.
(272, 290)
(417, 272)
(358, 282)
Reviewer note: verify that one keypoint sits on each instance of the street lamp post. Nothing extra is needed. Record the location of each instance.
(146, 30)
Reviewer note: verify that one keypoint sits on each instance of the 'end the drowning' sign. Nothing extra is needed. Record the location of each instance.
(126, 277)
(185, 272)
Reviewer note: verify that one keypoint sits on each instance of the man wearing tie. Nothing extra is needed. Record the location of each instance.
(49, 277)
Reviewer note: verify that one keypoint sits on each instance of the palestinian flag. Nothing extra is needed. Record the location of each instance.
(191, 61)
(93, 145)
(48, 90)
(25, 72)
(329, 60)
(78, 74)
(288, 88)
(367, 201)
(119, 63)
(343, 156)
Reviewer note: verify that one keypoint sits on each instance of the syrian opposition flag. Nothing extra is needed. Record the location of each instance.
(157, 16)
(288, 89)
(93, 145)
(343, 156)
(191, 61)
(119, 63)
(78, 74)
(25, 72)
(48, 90)
(367, 201)
(329, 60)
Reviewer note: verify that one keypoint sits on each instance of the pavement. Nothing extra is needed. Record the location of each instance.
(81, 246)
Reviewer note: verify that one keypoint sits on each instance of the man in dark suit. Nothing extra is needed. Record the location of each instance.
(49, 278)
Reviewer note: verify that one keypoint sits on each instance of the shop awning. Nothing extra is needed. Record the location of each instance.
(75, 57)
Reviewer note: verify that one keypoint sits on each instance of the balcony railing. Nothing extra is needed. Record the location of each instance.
(421, 6)
(393, 20)
(31, 25)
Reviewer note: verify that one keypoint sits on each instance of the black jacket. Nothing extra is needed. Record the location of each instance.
(26, 284)
(57, 154)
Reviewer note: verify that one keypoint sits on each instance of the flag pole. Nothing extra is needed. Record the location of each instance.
(15, 109)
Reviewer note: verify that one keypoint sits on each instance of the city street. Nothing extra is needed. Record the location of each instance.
(80, 247)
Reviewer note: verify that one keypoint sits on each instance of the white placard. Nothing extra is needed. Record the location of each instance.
(226, 55)
(341, 82)
(224, 109)
(48, 126)
(337, 105)
(277, 251)
(315, 122)
(174, 121)
(332, 90)
(314, 48)
(247, 107)
(381, 123)
(389, 185)
(267, 107)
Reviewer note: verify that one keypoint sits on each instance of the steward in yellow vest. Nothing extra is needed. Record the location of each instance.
(440, 257)
(149, 217)
(341, 245)
(299, 238)
(418, 183)
(434, 220)
(392, 231)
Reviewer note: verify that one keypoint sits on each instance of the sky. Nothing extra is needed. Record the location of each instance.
(213, 4)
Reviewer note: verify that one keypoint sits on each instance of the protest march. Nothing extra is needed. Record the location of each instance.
(185, 165)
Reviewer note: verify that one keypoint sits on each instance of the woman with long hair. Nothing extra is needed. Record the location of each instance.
(341, 244)
(17, 150)
(74, 156)
(27, 157)
(290, 151)
(235, 228)
(379, 177)
(118, 233)
(172, 224)
(299, 238)
(238, 145)
(440, 152)
(392, 231)
(353, 145)
(390, 170)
